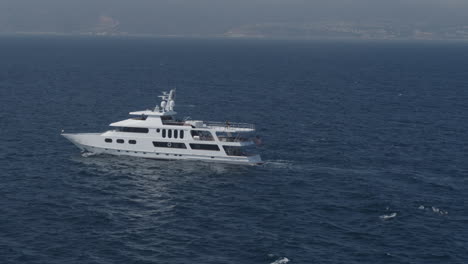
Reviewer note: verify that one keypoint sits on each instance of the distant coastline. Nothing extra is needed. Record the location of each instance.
(348, 30)
(296, 31)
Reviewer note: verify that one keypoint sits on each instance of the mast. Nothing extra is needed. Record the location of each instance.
(167, 101)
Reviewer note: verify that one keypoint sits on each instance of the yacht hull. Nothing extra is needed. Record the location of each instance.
(94, 143)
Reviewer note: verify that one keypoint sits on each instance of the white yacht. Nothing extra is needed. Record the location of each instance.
(157, 134)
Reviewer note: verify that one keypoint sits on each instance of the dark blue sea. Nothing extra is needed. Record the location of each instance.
(365, 150)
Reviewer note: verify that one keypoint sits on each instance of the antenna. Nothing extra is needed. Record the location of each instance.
(167, 101)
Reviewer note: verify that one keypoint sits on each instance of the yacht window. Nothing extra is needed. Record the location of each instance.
(158, 130)
(169, 133)
(132, 141)
(202, 135)
(204, 147)
(181, 134)
(164, 133)
(120, 141)
(233, 136)
(159, 144)
(108, 140)
(133, 129)
(240, 151)
(142, 117)
(176, 133)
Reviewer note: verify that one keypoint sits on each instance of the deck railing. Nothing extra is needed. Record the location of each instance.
(229, 124)
(233, 139)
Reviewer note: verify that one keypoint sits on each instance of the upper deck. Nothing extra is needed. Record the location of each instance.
(229, 126)
(157, 122)
(163, 116)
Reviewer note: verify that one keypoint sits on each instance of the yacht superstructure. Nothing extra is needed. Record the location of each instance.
(157, 134)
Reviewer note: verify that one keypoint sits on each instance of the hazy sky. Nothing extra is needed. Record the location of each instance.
(216, 16)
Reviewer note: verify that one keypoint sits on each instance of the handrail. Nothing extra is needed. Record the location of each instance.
(230, 124)
(233, 139)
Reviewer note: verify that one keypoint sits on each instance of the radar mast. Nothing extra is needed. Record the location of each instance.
(167, 102)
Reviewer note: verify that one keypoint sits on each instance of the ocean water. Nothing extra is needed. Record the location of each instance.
(365, 146)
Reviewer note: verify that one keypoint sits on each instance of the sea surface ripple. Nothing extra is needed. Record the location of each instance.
(365, 146)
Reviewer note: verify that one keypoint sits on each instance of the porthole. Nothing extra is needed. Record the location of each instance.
(120, 141)
(132, 141)
(158, 130)
(108, 140)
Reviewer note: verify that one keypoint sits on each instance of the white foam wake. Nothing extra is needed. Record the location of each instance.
(281, 261)
(433, 209)
(385, 217)
(88, 154)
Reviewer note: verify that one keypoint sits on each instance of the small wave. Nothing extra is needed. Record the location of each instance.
(385, 217)
(278, 163)
(281, 261)
(433, 209)
(88, 154)
(438, 211)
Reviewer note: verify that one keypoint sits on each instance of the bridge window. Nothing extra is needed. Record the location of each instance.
(133, 129)
(108, 140)
(204, 147)
(120, 141)
(169, 145)
(165, 118)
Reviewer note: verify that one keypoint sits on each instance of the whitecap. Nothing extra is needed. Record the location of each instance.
(280, 164)
(438, 211)
(421, 207)
(385, 217)
(88, 154)
(281, 261)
